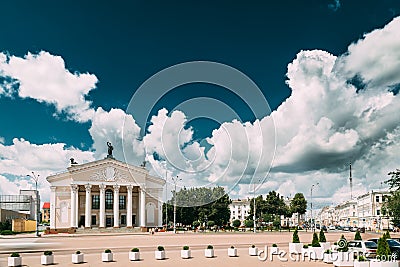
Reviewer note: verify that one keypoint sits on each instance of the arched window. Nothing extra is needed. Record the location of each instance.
(109, 199)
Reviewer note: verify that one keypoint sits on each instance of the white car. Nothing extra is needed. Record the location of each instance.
(366, 248)
(332, 227)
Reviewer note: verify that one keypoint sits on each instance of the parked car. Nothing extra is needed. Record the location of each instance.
(339, 227)
(324, 228)
(393, 245)
(353, 229)
(332, 228)
(366, 248)
(346, 228)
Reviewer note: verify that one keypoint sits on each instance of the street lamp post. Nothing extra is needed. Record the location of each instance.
(254, 207)
(175, 181)
(166, 201)
(312, 218)
(36, 178)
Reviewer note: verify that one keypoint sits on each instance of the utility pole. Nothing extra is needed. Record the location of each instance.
(254, 207)
(312, 218)
(175, 181)
(36, 178)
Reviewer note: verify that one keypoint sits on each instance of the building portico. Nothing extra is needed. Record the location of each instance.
(105, 193)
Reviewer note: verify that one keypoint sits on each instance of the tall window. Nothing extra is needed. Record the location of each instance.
(95, 202)
(109, 199)
(122, 202)
(377, 198)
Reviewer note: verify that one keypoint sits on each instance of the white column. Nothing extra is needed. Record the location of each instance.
(77, 206)
(116, 205)
(53, 207)
(74, 190)
(129, 207)
(142, 207)
(88, 210)
(102, 205)
(160, 213)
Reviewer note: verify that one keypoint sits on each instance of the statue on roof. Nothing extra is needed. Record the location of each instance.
(73, 162)
(110, 150)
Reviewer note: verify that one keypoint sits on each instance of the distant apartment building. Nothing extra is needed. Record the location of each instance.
(46, 212)
(371, 212)
(239, 209)
(365, 210)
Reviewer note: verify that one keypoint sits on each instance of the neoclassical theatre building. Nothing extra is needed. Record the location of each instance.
(105, 193)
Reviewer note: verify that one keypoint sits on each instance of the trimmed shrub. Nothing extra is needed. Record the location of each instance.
(249, 223)
(315, 242)
(274, 245)
(210, 223)
(210, 247)
(232, 247)
(362, 258)
(14, 255)
(386, 235)
(7, 232)
(160, 248)
(236, 223)
(107, 251)
(135, 250)
(322, 237)
(383, 250)
(185, 247)
(253, 246)
(48, 253)
(305, 246)
(357, 236)
(77, 252)
(295, 238)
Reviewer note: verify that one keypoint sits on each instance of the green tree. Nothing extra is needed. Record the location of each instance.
(260, 207)
(298, 205)
(393, 204)
(215, 206)
(394, 181)
(236, 223)
(357, 236)
(274, 204)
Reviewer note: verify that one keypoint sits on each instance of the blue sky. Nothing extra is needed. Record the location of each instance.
(95, 55)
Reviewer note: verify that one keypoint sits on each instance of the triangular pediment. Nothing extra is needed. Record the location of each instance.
(108, 171)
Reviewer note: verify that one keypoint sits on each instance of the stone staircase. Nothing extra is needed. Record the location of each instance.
(108, 230)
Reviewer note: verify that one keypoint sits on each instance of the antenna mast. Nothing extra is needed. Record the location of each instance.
(351, 184)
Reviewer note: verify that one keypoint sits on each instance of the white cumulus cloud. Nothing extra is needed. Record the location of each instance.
(43, 77)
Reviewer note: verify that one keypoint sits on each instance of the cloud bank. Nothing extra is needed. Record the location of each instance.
(341, 109)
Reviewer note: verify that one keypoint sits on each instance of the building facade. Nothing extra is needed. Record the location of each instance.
(46, 212)
(239, 209)
(366, 210)
(26, 203)
(371, 210)
(105, 193)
